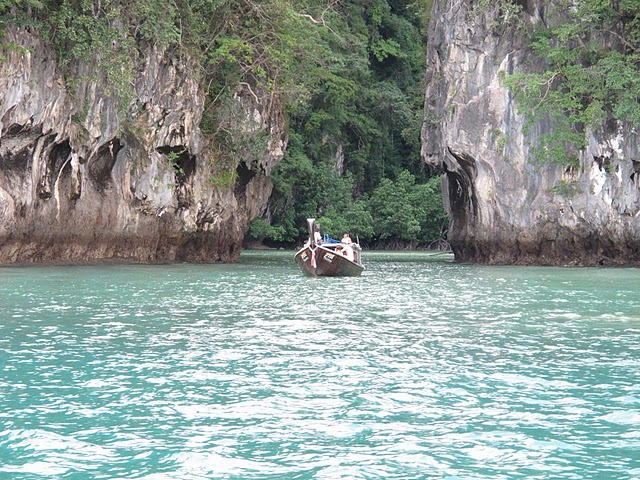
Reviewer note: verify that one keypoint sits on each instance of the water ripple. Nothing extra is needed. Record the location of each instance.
(418, 369)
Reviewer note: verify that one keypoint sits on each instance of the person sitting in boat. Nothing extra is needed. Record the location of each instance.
(316, 235)
(345, 249)
(346, 238)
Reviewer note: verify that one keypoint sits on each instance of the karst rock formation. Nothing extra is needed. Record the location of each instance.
(505, 207)
(81, 182)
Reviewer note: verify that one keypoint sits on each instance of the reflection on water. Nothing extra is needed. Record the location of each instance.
(420, 368)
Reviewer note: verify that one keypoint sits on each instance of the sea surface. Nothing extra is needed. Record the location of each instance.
(419, 369)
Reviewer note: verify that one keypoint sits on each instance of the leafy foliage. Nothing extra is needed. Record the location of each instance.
(593, 57)
(566, 188)
(392, 212)
(408, 211)
(350, 75)
(504, 13)
(261, 229)
(360, 129)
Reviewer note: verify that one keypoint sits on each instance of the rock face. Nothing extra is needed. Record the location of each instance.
(77, 183)
(505, 208)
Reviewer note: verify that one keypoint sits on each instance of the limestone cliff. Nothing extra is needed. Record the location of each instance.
(79, 183)
(504, 206)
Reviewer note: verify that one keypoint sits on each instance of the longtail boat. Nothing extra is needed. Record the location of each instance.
(328, 257)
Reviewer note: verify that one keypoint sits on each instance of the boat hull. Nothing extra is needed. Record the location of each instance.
(324, 262)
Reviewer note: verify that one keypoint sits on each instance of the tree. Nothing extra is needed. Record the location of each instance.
(350, 75)
(427, 201)
(361, 124)
(405, 210)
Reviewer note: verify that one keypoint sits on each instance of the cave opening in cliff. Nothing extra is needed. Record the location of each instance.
(460, 186)
(636, 170)
(18, 144)
(18, 160)
(101, 165)
(181, 161)
(59, 155)
(458, 196)
(56, 161)
(244, 176)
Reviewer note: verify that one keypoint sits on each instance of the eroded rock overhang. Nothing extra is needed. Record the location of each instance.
(79, 181)
(505, 207)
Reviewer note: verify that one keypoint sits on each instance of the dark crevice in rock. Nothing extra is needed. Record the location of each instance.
(245, 175)
(54, 162)
(462, 196)
(101, 165)
(183, 163)
(17, 160)
(461, 175)
(459, 197)
(14, 129)
(184, 167)
(527, 6)
(602, 162)
(17, 147)
(636, 169)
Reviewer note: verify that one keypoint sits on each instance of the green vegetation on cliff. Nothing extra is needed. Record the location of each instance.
(350, 75)
(592, 53)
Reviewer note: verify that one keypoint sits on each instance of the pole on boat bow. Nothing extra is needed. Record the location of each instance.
(312, 238)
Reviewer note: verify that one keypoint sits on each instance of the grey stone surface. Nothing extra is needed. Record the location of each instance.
(80, 184)
(506, 207)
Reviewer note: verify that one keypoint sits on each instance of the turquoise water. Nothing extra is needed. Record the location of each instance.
(421, 368)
